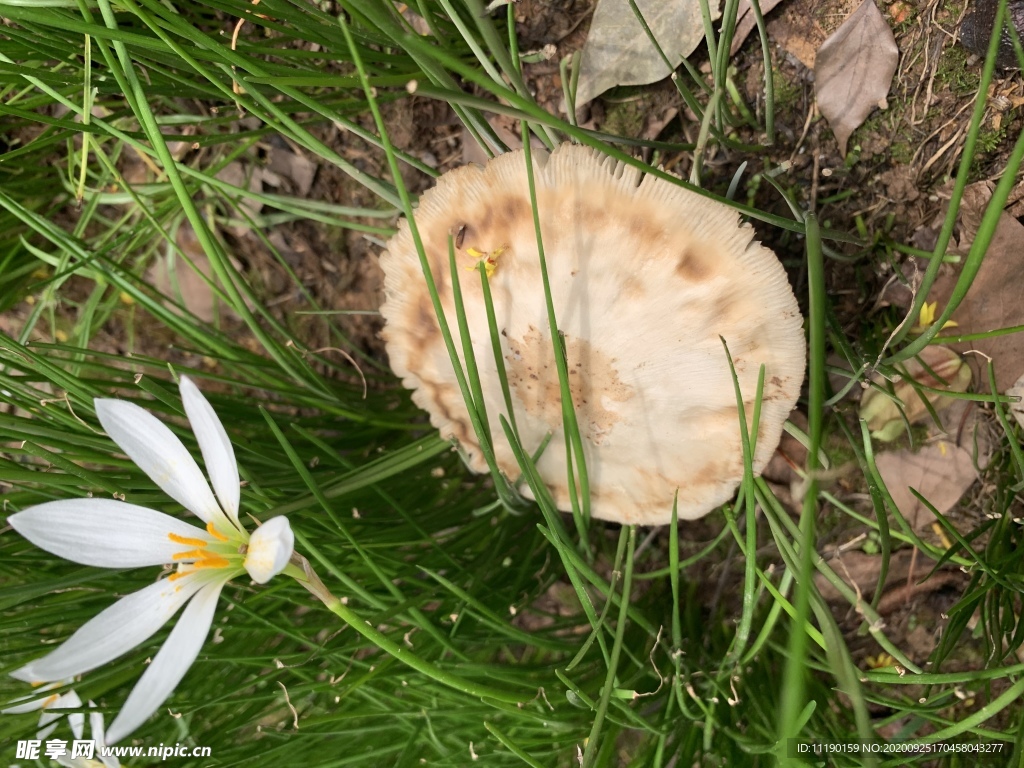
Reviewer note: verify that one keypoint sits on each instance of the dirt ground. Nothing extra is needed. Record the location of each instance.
(893, 182)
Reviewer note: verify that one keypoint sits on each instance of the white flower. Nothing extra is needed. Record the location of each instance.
(114, 534)
(76, 720)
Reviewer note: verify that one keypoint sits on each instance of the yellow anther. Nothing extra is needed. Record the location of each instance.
(192, 554)
(489, 259)
(205, 560)
(201, 558)
(489, 266)
(880, 661)
(212, 530)
(211, 561)
(186, 540)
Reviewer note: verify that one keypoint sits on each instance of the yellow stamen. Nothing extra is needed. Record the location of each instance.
(941, 533)
(880, 661)
(211, 560)
(489, 259)
(206, 560)
(201, 556)
(186, 540)
(192, 554)
(212, 530)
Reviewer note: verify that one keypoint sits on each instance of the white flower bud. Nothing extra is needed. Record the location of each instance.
(270, 548)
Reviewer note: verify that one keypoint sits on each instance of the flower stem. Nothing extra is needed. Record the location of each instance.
(300, 569)
(363, 627)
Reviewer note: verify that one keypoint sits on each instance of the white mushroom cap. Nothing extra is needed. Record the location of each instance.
(646, 278)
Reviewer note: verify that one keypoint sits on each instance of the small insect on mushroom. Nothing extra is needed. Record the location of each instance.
(646, 279)
(460, 235)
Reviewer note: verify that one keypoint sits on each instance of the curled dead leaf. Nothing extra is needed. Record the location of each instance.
(935, 367)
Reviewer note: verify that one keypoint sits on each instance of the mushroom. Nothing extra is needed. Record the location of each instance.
(646, 278)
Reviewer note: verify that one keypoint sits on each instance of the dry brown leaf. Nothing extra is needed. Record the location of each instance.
(655, 122)
(941, 473)
(995, 300)
(853, 71)
(472, 152)
(911, 583)
(417, 22)
(618, 51)
(178, 276)
(935, 367)
(297, 169)
(859, 570)
(746, 22)
(243, 176)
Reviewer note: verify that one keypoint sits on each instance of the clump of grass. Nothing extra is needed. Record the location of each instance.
(483, 632)
(954, 72)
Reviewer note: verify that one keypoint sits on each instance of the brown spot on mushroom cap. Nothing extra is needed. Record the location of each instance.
(694, 265)
(596, 387)
(646, 278)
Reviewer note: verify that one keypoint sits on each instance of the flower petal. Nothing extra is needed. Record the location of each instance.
(160, 454)
(104, 532)
(36, 700)
(169, 665)
(218, 455)
(116, 630)
(76, 720)
(99, 737)
(270, 548)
